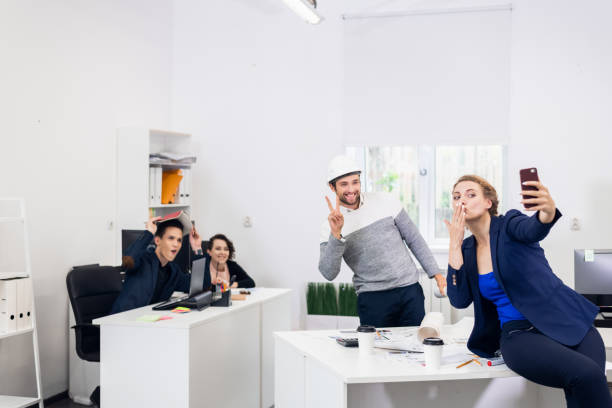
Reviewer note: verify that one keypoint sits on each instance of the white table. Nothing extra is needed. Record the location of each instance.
(313, 371)
(218, 357)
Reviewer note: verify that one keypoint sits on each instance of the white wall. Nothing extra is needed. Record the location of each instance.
(262, 92)
(71, 73)
(561, 104)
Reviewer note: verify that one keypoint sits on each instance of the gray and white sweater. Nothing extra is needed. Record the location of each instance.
(375, 246)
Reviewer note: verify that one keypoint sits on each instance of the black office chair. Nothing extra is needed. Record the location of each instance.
(92, 290)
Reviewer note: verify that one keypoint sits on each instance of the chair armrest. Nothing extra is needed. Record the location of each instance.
(87, 338)
(86, 328)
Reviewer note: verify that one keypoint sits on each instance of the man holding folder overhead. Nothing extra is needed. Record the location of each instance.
(373, 234)
(151, 274)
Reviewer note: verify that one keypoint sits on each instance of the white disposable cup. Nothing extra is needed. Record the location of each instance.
(365, 337)
(432, 347)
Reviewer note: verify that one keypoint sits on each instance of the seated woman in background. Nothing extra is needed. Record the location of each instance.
(543, 328)
(221, 251)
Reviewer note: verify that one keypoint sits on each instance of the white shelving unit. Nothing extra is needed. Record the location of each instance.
(15, 223)
(134, 145)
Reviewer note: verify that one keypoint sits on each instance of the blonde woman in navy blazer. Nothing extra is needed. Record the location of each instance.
(543, 328)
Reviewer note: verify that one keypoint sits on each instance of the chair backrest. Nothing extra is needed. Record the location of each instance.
(92, 290)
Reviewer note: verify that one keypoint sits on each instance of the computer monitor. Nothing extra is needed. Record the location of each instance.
(593, 277)
(182, 259)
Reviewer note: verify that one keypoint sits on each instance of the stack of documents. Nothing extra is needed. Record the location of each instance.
(169, 157)
(402, 339)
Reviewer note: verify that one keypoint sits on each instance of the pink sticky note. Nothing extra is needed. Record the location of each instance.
(165, 318)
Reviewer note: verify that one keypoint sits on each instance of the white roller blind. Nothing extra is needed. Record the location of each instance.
(440, 78)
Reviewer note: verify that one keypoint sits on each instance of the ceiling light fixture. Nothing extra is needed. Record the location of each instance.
(305, 9)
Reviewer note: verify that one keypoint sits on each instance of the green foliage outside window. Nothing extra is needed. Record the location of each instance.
(388, 181)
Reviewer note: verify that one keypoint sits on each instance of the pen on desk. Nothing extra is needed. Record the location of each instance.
(495, 361)
(382, 335)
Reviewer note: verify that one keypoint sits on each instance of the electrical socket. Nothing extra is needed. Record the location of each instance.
(575, 226)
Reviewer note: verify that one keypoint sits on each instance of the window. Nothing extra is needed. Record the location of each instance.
(422, 178)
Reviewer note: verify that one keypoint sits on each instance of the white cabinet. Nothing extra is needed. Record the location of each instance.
(17, 317)
(137, 194)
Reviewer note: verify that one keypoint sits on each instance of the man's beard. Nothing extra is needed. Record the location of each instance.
(357, 199)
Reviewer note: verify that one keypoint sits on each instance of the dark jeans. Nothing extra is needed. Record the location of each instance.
(578, 369)
(396, 307)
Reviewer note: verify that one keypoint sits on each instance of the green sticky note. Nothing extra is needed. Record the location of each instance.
(149, 318)
(589, 255)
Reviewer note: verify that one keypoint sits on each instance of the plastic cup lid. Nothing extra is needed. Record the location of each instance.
(433, 341)
(366, 329)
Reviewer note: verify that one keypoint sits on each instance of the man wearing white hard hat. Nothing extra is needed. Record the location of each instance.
(374, 235)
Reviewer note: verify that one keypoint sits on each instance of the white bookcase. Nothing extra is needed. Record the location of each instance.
(134, 190)
(15, 264)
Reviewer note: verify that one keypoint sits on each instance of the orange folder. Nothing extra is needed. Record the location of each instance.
(170, 184)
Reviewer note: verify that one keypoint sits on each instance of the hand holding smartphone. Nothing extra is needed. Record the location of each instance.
(530, 174)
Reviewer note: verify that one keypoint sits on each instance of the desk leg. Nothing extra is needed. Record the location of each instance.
(275, 316)
(323, 389)
(301, 382)
(224, 363)
(288, 375)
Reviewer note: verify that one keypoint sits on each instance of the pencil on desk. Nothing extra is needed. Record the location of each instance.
(466, 363)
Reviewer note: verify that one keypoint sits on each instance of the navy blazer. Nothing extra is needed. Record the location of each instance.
(242, 278)
(524, 274)
(140, 280)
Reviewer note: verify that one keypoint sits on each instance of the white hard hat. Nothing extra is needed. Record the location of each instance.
(340, 166)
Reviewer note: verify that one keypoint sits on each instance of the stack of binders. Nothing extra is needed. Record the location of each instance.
(15, 304)
(184, 191)
(169, 186)
(155, 183)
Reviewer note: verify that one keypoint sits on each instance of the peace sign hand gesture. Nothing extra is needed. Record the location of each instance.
(335, 218)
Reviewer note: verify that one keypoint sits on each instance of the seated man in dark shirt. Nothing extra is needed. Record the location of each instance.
(151, 276)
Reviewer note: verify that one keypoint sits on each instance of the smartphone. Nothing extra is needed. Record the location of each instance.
(530, 174)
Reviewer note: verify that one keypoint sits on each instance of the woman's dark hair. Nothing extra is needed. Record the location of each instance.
(230, 244)
(487, 189)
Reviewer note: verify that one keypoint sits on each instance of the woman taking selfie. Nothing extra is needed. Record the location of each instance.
(543, 328)
(222, 268)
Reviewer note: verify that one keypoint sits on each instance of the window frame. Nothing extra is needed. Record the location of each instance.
(426, 155)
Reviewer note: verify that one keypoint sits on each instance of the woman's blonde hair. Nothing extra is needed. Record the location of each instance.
(487, 189)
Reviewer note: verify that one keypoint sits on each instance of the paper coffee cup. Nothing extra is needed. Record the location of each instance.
(365, 336)
(432, 347)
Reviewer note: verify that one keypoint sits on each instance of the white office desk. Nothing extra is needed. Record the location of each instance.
(218, 357)
(313, 371)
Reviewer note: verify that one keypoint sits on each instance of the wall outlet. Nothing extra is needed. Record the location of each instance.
(248, 222)
(575, 225)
